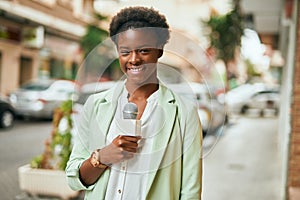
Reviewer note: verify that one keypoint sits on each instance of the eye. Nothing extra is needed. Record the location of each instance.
(145, 50)
(124, 52)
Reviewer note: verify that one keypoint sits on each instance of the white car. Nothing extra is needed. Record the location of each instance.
(247, 96)
(261, 101)
(39, 98)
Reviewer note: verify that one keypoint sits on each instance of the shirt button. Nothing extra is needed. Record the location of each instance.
(119, 191)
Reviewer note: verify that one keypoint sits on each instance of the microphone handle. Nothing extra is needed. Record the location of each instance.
(138, 127)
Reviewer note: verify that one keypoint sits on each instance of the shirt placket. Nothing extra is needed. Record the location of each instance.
(122, 179)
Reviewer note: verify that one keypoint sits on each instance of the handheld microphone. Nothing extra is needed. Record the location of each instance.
(130, 125)
(130, 111)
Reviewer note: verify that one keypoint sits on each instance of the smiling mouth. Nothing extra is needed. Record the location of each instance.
(135, 69)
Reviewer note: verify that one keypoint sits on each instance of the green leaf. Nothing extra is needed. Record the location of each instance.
(36, 162)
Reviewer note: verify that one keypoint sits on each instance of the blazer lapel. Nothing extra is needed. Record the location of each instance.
(160, 143)
(107, 107)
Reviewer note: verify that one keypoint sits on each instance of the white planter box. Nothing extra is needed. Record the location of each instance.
(45, 182)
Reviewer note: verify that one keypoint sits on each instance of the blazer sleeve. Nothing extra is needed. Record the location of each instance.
(80, 151)
(192, 157)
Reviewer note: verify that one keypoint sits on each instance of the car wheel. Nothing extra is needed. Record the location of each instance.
(244, 109)
(262, 113)
(6, 119)
(276, 111)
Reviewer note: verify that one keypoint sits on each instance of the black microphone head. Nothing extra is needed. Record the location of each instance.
(130, 111)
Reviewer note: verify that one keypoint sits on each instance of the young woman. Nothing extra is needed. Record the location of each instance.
(165, 161)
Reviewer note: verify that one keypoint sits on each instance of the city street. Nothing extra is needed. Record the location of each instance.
(244, 164)
(18, 146)
(241, 164)
(238, 57)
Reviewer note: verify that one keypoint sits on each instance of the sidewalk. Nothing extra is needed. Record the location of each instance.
(244, 163)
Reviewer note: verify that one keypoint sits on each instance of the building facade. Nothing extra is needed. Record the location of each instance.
(289, 128)
(40, 38)
(293, 183)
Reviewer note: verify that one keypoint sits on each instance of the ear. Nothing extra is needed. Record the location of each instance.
(160, 53)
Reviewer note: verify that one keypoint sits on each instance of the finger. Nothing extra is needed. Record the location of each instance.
(128, 144)
(118, 141)
(130, 138)
(130, 150)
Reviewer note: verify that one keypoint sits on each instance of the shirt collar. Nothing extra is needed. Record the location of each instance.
(163, 94)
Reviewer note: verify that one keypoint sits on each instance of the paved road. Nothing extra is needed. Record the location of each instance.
(17, 147)
(243, 165)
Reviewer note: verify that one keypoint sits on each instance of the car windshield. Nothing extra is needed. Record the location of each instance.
(38, 86)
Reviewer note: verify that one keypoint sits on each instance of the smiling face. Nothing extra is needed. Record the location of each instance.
(138, 55)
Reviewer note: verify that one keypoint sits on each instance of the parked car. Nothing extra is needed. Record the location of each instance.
(211, 112)
(39, 98)
(7, 114)
(240, 99)
(261, 101)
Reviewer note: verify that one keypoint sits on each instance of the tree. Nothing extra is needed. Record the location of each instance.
(225, 36)
(94, 36)
(97, 63)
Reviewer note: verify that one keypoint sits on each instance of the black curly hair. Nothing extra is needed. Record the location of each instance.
(140, 17)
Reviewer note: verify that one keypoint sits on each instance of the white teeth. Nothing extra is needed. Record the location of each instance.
(136, 69)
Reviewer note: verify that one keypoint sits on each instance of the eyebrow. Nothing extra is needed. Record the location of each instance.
(139, 47)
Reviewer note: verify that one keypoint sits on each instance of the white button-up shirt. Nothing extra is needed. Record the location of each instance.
(128, 179)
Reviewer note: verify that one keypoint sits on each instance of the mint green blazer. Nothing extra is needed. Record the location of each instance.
(178, 146)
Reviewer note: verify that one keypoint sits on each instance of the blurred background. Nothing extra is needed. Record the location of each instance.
(239, 58)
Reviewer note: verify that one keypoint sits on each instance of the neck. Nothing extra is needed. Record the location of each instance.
(141, 92)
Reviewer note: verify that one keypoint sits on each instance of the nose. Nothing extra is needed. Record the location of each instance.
(134, 58)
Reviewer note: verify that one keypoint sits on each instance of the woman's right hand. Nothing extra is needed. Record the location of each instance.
(122, 148)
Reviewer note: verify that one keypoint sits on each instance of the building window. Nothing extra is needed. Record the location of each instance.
(26, 70)
(57, 69)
